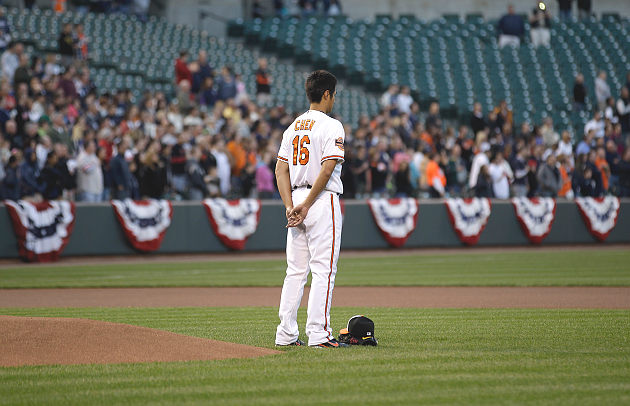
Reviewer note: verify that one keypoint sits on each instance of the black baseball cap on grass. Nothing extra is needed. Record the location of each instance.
(359, 327)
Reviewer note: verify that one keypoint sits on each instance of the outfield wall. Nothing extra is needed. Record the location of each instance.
(97, 231)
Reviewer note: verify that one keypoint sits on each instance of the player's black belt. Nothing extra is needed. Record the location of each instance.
(311, 187)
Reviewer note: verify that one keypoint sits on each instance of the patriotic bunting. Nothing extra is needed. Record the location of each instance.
(144, 221)
(396, 218)
(233, 221)
(535, 215)
(468, 217)
(42, 229)
(600, 214)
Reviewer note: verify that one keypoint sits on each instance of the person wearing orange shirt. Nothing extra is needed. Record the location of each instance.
(435, 177)
(565, 177)
(602, 164)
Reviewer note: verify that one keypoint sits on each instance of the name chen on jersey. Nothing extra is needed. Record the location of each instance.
(301, 125)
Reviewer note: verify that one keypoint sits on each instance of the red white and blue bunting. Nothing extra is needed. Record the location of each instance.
(468, 217)
(42, 229)
(536, 216)
(233, 221)
(144, 221)
(600, 214)
(396, 218)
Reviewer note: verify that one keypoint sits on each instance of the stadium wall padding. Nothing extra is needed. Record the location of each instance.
(97, 231)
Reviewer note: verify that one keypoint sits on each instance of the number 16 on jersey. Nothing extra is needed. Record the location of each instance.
(300, 149)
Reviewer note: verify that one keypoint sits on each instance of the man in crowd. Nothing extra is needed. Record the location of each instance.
(511, 28)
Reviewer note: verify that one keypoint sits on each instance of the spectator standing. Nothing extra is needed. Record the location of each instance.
(121, 177)
(436, 180)
(483, 187)
(223, 164)
(208, 95)
(604, 169)
(226, 85)
(520, 169)
(203, 71)
(564, 9)
(265, 177)
(584, 9)
(596, 124)
(10, 61)
(610, 112)
(334, 8)
(404, 100)
(5, 31)
(196, 176)
(360, 169)
(549, 135)
(511, 28)
(584, 146)
(389, 98)
(501, 176)
(29, 176)
(10, 184)
(477, 120)
(480, 159)
(623, 109)
(579, 93)
(602, 90)
(549, 179)
(433, 122)
(81, 41)
(565, 147)
(23, 72)
(402, 180)
(379, 169)
(66, 44)
(89, 175)
(456, 173)
(263, 83)
(539, 26)
(623, 170)
(566, 173)
(182, 72)
(179, 179)
(51, 178)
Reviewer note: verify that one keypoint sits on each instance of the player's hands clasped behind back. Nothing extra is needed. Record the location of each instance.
(296, 215)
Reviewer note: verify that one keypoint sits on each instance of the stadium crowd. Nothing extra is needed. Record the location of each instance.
(63, 138)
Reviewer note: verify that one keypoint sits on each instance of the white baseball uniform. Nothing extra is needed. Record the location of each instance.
(312, 138)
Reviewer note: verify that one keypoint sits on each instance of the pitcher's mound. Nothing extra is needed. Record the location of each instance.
(42, 341)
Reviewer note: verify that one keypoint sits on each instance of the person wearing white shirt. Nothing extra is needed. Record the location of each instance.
(602, 90)
(480, 159)
(596, 124)
(89, 174)
(501, 175)
(10, 61)
(565, 147)
(404, 100)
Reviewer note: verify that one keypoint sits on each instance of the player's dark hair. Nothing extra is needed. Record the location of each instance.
(317, 83)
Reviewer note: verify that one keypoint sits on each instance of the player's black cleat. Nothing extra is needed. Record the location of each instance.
(296, 343)
(332, 343)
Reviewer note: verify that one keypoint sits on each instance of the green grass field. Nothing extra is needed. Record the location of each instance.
(510, 268)
(425, 356)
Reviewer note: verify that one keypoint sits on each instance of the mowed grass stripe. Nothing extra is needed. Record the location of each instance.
(530, 268)
(425, 356)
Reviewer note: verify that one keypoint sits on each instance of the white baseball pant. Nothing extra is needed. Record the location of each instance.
(314, 246)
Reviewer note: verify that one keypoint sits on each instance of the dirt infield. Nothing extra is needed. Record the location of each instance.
(46, 341)
(584, 297)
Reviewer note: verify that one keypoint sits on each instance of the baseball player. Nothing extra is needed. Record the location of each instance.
(308, 172)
